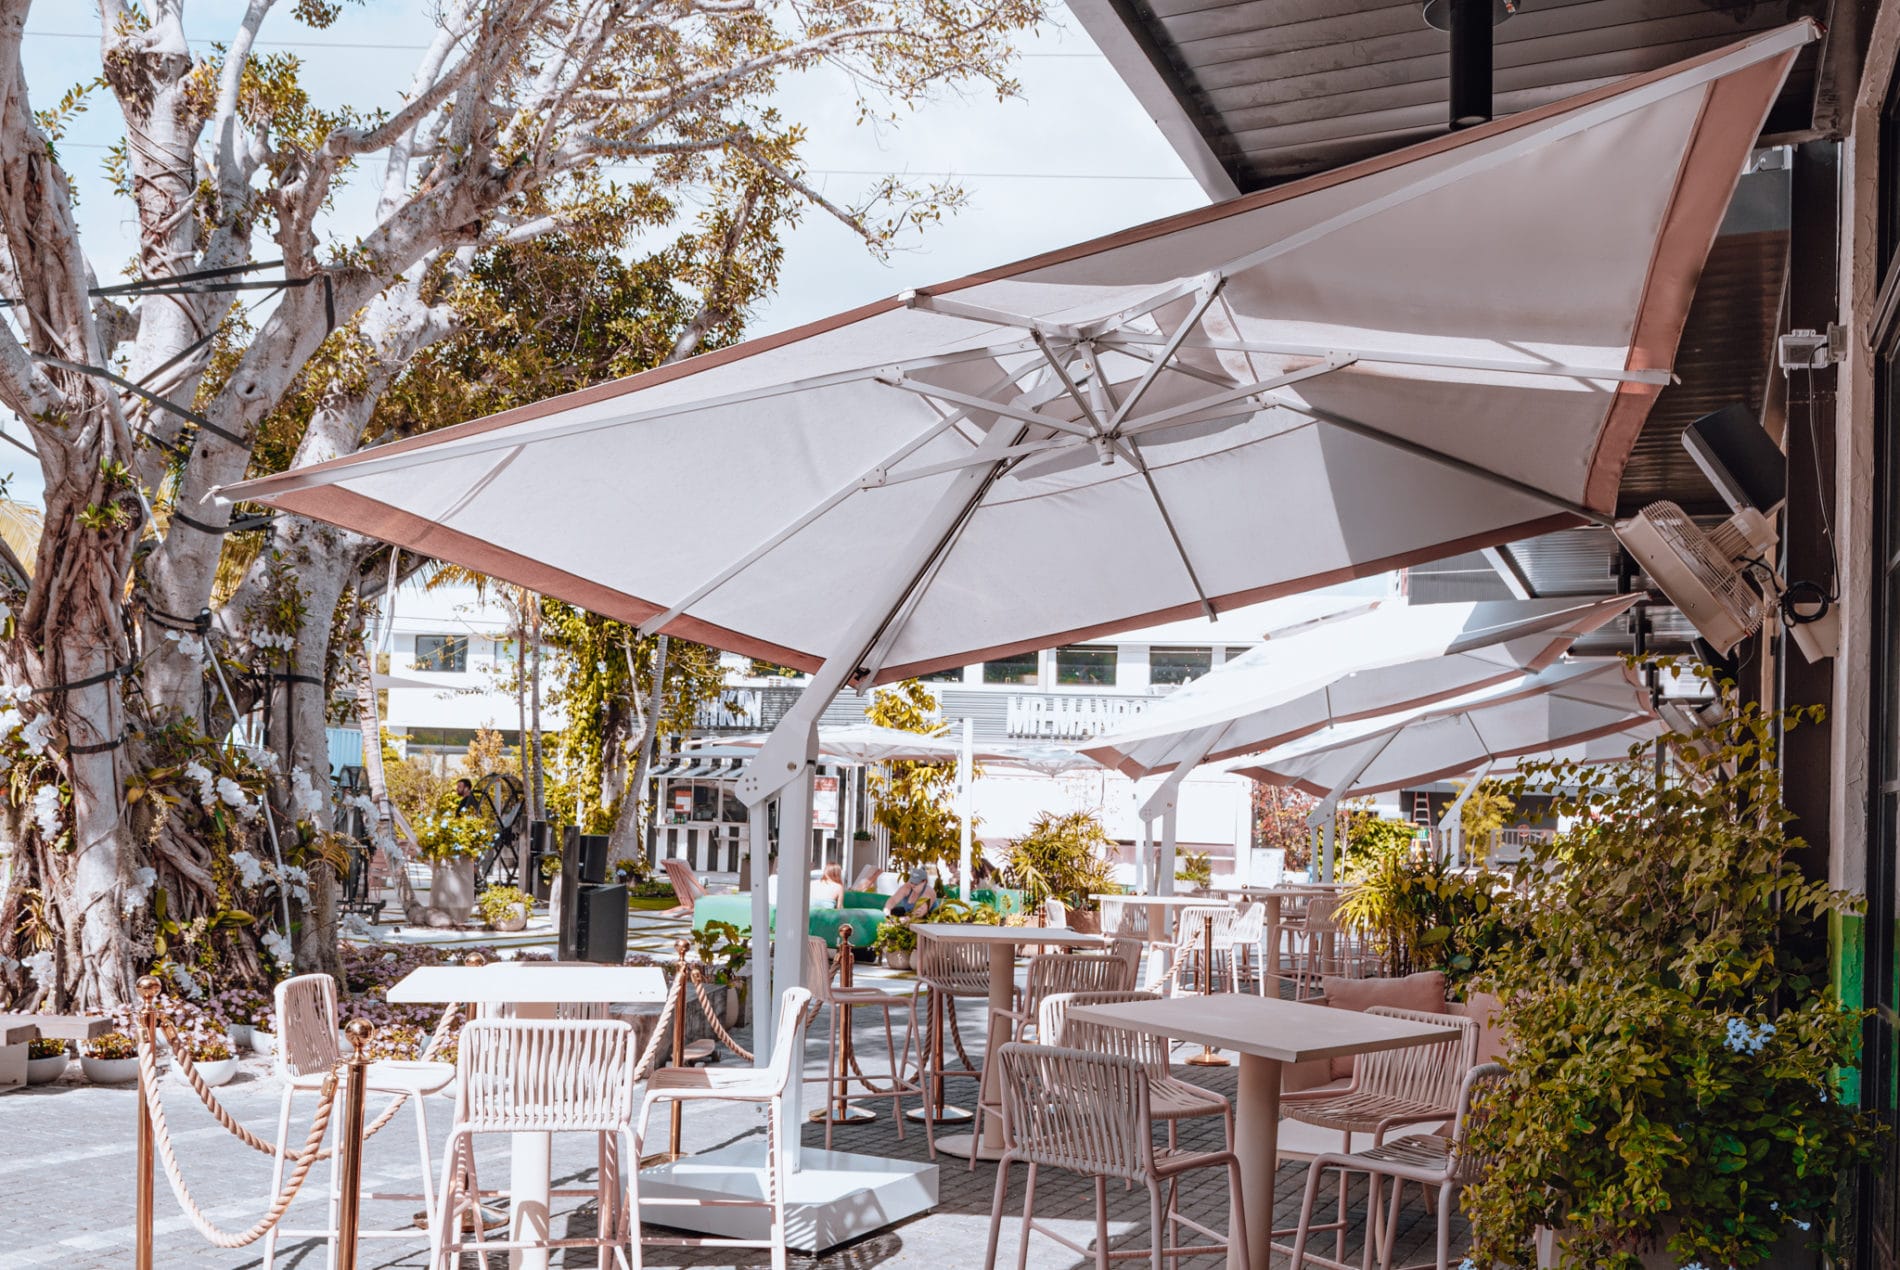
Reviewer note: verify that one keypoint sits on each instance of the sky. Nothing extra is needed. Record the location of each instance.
(1071, 158)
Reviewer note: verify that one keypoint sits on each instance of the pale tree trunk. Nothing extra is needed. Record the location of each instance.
(626, 839)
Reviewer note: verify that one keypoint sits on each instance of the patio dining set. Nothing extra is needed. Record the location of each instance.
(1370, 1076)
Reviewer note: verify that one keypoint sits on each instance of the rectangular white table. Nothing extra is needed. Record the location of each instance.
(1267, 1034)
(529, 990)
(1003, 942)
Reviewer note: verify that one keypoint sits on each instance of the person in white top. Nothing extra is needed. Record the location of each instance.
(828, 890)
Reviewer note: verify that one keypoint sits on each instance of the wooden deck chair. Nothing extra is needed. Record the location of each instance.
(686, 887)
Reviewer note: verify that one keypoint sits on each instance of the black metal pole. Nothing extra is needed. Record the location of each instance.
(1470, 62)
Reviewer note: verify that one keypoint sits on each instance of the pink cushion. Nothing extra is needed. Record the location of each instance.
(1484, 1007)
(1423, 991)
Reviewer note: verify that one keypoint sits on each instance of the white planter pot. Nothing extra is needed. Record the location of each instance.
(263, 1042)
(44, 1071)
(515, 919)
(217, 1071)
(240, 1034)
(452, 888)
(897, 960)
(109, 1071)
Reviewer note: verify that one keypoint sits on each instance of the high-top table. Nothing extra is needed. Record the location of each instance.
(1003, 942)
(1163, 906)
(529, 990)
(1267, 1034)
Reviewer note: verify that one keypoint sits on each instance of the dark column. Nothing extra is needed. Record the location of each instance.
(1470, 62)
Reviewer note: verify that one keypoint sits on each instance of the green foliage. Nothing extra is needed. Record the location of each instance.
(915, 802)
(1488, 810)
(1423, 916)
(894, 935)
(1369, 837)
(1674, 1040)
(1196, 868)
(725, 948)
(414, 787)
(955, 912)
(45, 1047)
(1063, 856)
(495, 902)
(445, 834)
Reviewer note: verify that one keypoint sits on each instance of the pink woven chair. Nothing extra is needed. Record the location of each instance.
(1432, 1160)
(841, 1068)
(1089, 1113)
(767, 1085)
(1391, 1089)
(1170, 1099)
(307, 1052)
(542, 1076)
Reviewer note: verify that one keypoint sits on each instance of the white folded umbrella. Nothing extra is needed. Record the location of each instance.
(1391, 658)
(1446, 347)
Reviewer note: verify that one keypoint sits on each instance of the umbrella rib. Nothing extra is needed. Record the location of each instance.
(973, 402)
(1129, 450)
(1184, 413)
(1658, 377)
(838, 496)
(1417, 450)
(1068, 383)
(1168, 350)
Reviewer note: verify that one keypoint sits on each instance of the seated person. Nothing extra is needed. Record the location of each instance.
(982, 876)
(914, 896)
(828, 890)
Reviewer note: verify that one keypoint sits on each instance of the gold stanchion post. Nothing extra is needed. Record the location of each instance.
(676, 1111)
(142, 1184)
(350, 1143)
(1207, 1057)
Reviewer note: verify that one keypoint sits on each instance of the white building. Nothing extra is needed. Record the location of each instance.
(451, 637)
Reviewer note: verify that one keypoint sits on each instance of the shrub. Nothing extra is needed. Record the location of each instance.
(1422, 916)
(895, 936)
(1063, 856)
(46, 1047)
(495, 902)
(114, 1044)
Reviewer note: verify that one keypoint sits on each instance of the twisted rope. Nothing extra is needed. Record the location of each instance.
(644, 1067)
(712, 1016)
(167, 1154)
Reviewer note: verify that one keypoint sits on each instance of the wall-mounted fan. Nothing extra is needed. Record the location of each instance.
(1718, 577)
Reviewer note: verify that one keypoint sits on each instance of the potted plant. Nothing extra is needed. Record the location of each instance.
(505, 908)
(1063, 857)
(264, 1031)
(46, 1060)
(551, 874)
(1196, 868)
(237, 1008)
(1674, 1044)
(212, 1053)
(111, 1058)
(724, 949)
(450, 841)
(896, 942)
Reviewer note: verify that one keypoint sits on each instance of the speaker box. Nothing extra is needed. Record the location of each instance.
(584, 855)
(1740, 459)
(600, 930)
(540, 847)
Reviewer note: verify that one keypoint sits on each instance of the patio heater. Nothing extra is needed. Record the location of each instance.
(1469, 23)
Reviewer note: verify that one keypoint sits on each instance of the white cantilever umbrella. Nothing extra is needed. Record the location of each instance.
(1563, 706)
(1449, 346)
(1391, 658)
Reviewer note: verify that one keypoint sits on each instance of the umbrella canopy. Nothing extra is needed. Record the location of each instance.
(1394, 657)
(1450, 346)
(1566, 705)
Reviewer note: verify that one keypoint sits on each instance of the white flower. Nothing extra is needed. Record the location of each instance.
(207, 786)
(277, 946)
(186, 984)
(135, 895)
(9, 717)
(303, 794)
(271, 639)
(188, 644)
(234, 797)
(46, 811)
(40, 966)
(18, 693)
(250, 869)
(37, 734)
(295, 882)
(264, 757)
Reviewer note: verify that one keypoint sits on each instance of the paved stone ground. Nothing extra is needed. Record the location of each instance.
(67, 1158)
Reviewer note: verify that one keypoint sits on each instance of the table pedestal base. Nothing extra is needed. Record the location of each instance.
(945, 1114)
(835, 1197)
(960, 1145)
(851, 1113)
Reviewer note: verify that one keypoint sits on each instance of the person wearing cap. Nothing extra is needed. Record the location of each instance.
(914, 896)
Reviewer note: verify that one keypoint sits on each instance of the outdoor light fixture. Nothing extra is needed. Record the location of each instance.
(1470, 23)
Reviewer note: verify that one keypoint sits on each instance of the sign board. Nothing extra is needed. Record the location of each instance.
(824, 803)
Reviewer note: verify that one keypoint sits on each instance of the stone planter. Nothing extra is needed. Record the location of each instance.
(897, 960)
(217, 1071)
(263, 1042)
(452, 888)
(516, 918)
(240, 1034)
(44, 1071)
(109, 1071)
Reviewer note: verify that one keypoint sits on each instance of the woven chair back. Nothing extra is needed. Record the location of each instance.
(306, 1025)
(1431, 1074)
(960, 967)
(1076, 1110)
(1055, 1027)
(545, 1075)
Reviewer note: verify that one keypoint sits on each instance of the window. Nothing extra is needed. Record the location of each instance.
(1017, 669)
(441, 652)
(1233, 652)
(954, 675)
(456, 738)
(1178, 665)
(504, 651)
(1086, 665)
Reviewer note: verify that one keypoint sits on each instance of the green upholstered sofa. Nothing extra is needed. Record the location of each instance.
(863, 911)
